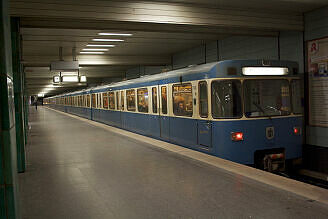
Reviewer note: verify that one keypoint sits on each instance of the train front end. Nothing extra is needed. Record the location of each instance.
(266, 105)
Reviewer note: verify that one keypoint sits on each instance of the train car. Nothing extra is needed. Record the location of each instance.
(246, 111)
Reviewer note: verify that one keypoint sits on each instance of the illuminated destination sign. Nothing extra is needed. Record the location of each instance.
(264, 71)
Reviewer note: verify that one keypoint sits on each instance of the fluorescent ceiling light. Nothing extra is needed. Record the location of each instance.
(108, 40)
(83, 78)
(56, 79)
(98, 45)
(91, 52)
(41, 95)
(265, 71)
(95, 49)
(70, 79)
(115, 34)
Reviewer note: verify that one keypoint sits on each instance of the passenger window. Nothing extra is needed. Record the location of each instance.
(131, 100)
(226, 99)
(93, 102)
(164, 99)
(88, 100)
(105, 101)
(99, 101)
(203, 102)
(122, 100)
(182, 100)
(142, 100)
(111, 97)
(154, 98)
(297, 96)
(117, 101)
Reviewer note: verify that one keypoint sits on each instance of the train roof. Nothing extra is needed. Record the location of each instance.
(194, 72)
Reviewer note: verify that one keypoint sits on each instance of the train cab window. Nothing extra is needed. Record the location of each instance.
(164, 99)
(122, 100)
(117, 98)
(182, 100)
(203, 102)
(111, 99)
(297, 96)
(93, 100)
(154, 99)
(142, 100)
(226, 99)
(105, 101)
(131, 100)
(265, 98)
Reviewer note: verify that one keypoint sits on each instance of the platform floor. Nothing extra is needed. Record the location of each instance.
(78, 170)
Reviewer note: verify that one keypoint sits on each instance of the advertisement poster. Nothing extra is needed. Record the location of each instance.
(318, 82)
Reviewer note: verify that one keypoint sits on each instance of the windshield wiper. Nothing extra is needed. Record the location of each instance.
(262, 110)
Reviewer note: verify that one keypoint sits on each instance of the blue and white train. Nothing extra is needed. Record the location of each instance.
(246, 111)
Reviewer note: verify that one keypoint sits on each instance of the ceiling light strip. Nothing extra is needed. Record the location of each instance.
(108, 40)
(115, 34)
(100, 45)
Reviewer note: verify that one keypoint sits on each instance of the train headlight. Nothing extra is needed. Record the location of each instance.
(237, 136)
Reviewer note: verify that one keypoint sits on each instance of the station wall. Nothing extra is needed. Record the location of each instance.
(287, 46)
(316, 150)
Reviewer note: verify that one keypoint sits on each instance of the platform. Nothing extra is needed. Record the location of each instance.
(81, 169)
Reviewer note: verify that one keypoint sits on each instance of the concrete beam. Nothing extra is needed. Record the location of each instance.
(156, 13)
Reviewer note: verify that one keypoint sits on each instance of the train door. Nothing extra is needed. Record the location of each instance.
(93, 105)
(122, 105)
(118, 110)
(204, 124)
(164, 119)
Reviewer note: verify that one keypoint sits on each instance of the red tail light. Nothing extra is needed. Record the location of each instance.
(297, 130)
(237, 136)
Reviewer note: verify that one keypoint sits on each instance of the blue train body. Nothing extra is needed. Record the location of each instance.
(209, 135)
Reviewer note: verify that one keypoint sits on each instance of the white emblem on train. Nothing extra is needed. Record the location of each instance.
(269, 132)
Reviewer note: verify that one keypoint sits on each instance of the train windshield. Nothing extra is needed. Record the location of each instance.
(267, 98)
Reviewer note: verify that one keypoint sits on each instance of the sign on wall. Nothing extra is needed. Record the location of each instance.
(318, 82)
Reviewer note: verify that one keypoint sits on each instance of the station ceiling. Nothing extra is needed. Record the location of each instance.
(159, 29)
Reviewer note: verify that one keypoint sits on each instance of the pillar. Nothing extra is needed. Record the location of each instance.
(19, 94)
(8, 156)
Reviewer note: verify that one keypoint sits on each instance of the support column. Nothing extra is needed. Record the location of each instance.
(8, 155)
(19, 94)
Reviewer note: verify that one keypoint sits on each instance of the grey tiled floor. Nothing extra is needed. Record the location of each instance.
(76, 170)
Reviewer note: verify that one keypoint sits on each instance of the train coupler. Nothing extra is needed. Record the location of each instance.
(274, 162)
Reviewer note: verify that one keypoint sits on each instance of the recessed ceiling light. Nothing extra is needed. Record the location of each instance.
(98, 45)
(108, 40)
(95, 49)
(91, 52)
(115, 34)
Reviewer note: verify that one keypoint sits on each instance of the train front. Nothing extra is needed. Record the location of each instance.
(268, 133)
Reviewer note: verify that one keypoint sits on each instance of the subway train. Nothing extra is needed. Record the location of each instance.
(246, 111)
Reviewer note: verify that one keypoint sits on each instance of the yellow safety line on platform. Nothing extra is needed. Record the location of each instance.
(302, 189)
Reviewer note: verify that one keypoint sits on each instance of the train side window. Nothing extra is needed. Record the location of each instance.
(131, 100)
(93, 100)
(88, 100)
(105, 100)
(154, 98)
(117, 103)
(142, 100)
(164, 99)
(111, 99)
(297, 96)
(203, 101)
(226, 99)
(182, 100)
(122, 100)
